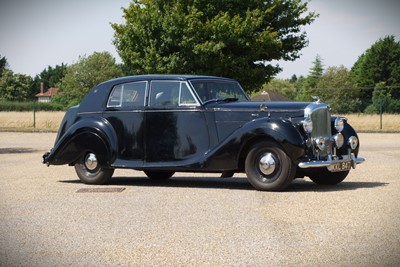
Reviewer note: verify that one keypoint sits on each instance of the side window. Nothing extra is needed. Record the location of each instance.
(115, 97)
(186, 96)
(164, 93)
(128, 95)
(171, 93)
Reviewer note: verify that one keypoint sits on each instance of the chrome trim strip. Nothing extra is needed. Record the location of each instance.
(90, 112)
(174, 110)
(124, 111)
(330, 161)
(255, 110)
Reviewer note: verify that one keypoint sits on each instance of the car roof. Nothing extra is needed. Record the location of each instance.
(94, 100)
(164, 77)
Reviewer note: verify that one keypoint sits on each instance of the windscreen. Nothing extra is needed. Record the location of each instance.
(209, 90)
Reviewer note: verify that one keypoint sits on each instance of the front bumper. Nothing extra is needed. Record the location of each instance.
(331, 162)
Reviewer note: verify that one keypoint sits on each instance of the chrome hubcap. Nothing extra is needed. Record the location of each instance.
(267, 164)
(91, 161)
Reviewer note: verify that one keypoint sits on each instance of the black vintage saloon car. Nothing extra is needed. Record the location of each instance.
(162, 124)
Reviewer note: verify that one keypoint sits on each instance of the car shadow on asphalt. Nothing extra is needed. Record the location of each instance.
(303, 185)
(179, 182)
(299, 185)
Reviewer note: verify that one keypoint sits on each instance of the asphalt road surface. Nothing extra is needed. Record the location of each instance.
(49, 218)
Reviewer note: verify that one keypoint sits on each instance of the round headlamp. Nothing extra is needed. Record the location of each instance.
(353, 142)
(307, 125)
(339, 140)
(339, 124)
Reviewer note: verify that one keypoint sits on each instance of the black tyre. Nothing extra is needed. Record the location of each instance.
(325, 177)
(159, 175)
(268, 167)
(90, 172)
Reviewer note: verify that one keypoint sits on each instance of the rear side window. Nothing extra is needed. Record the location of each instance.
(128, 95)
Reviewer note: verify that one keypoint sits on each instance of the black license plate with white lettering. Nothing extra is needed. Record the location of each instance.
(340, 166)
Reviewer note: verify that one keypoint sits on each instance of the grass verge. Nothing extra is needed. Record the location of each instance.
(24, 121)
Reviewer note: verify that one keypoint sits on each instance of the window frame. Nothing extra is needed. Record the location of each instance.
(197, 81)
(180, 102)
(122, 87)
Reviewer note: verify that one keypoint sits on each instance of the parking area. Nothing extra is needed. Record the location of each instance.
(49, 218)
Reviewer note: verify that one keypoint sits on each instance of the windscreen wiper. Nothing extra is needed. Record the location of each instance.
(219, 100)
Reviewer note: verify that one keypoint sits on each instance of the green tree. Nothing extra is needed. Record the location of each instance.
(336, 88)
(308, 88)
(379, 64)
(298, 84)
(282, 87)
(84, 75)
(385, 99)
(293, 79)
(50, 77)
(3, 64)
(14, 87)
(316, 72)
(229, 38)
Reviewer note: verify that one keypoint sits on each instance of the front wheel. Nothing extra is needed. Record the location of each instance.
(90, 172)
(325, 177)
(268, 167)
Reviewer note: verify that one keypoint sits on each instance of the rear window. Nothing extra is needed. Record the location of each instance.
(128, 95)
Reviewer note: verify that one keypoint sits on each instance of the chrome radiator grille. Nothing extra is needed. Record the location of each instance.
(321, 132)
(321, 119)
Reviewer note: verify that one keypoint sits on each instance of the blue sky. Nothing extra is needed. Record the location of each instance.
(35, 34)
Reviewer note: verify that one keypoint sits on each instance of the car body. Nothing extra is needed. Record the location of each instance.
(162, 124)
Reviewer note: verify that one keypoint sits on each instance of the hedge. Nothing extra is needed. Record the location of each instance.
(28, 106)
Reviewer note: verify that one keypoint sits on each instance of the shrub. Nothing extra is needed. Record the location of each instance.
(28, 106)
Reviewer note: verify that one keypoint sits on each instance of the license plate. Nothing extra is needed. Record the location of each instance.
(340, 167)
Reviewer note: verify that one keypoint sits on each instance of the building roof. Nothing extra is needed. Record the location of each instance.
(49, 93)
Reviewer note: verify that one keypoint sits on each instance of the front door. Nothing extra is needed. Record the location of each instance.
(176, 129)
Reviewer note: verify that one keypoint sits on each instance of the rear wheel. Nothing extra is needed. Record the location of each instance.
(159, 175)
(268, 167)
(325, 177)
(90, 172)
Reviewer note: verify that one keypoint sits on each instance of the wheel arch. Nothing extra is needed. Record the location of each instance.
(91, 134)
(279, 131)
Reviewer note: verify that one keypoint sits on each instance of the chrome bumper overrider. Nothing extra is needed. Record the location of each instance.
(332, 161)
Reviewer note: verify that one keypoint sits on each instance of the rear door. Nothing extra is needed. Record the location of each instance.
(125, 112)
